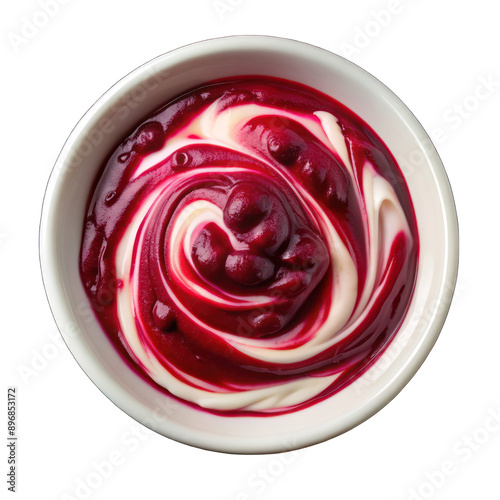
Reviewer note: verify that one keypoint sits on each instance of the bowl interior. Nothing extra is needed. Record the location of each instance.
(146, 89)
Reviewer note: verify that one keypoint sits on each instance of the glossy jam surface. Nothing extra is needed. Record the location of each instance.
(251, 248)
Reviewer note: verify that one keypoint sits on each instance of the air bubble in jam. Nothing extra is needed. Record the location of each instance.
(257, 274)
(110, 196)
(181, 160)
(123, 157)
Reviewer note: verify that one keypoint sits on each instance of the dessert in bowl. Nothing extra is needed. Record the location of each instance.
(231, 248)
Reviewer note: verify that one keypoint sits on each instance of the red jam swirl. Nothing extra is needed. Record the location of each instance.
(251, 247)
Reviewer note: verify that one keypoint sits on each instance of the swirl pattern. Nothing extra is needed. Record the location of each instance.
(251, 247)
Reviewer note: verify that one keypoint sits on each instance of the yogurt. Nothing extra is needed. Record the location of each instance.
(251, 247)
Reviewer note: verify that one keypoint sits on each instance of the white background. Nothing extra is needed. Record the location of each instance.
(435, 55)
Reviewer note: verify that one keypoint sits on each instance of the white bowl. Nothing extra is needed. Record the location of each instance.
(144, 90)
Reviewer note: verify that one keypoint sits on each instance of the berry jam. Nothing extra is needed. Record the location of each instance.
(251, 247)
